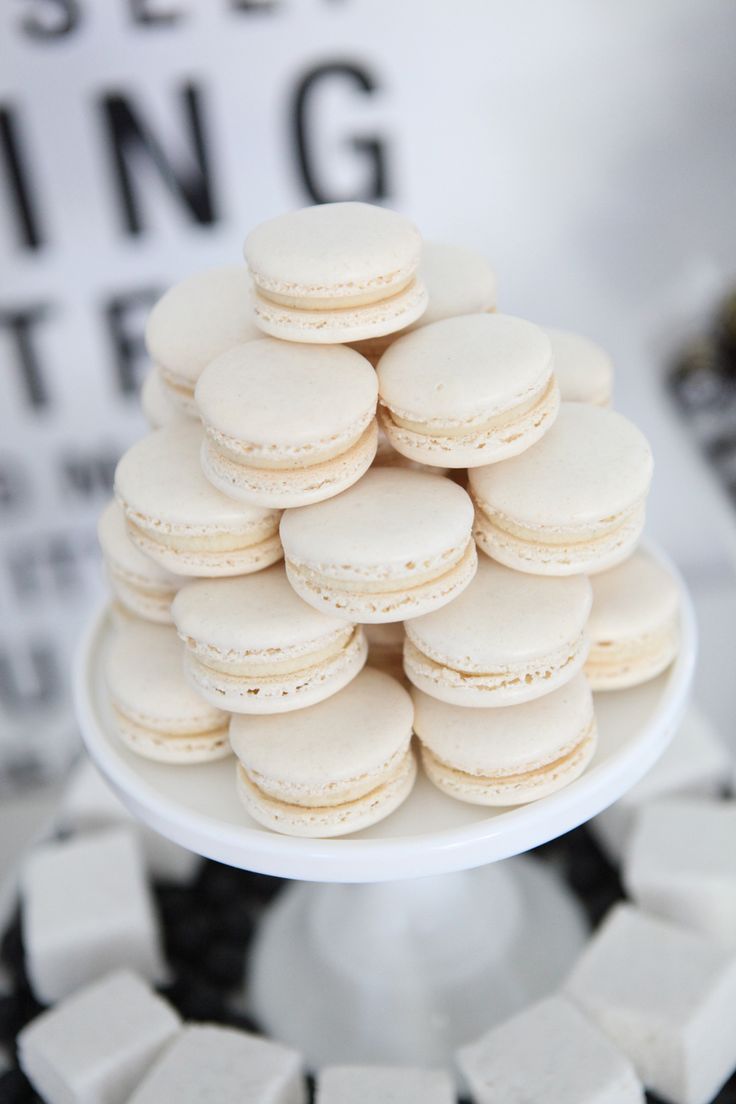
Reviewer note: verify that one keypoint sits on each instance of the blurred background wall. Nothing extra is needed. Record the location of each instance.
(589, 149)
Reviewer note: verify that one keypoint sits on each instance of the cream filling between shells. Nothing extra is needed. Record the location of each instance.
(157, 592)
(271, 661)
(649, 651)
(342, 793)
(563, 535)
(463, 779)
(338, 792)
(469, 428)
(200, 538)
(439, 671)
(173, 728)
(180, 387)
(374, 579)
(338, 295)
(270, 457)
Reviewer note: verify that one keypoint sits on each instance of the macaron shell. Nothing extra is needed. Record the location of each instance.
(212, 564)
(624, 666)
(343, 325)
(149, 605)
(125, 558)
(180, 395)
(352, 735)
(169, 504)
(205, 747)
(145, 679)
(334, 253)
(634, 623)
(516, 789)
(332, 820)
(458, 281)
(573, 503)
(389, 527)
(375, 607)
(584, 371)
(287, 404)
(387, 457)
(156, 713)
(457, 373)
(636, 598)
(199, 318)
(599, 553)
(507, 638)
(508, 741)
(158, 404)
(508, 436)
(300, 486)
(159, 479)
(256, 620)
(265, 694)
(140, 584)
(592, 465)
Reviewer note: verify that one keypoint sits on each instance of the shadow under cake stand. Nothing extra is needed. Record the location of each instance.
(417, 958)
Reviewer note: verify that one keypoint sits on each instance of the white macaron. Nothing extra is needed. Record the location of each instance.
(507, 756)
(287, 424)
(574, 502)
(336, 272)
(467, 391)
(156, 713)
(196, 320)
(253, 646)
(508, 638)
(141, 585)
(584, 371)
(175, 515)
(393, 546)
(634, 625)
(334, 768)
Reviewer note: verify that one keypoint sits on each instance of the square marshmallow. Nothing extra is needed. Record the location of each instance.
(87, 910)
(680, 863)
(549, 1052)
(218, 1064)
(95, 1046)
(88, 804)
(389, 1084)
(666, 997)
(695, 762)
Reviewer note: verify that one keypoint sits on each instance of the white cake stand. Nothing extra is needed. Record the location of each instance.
(402, 972)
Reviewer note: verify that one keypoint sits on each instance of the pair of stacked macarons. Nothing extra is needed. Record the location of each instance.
(268, 447)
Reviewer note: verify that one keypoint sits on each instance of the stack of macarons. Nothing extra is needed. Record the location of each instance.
(291, 516)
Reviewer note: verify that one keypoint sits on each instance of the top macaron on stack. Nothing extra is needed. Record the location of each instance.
(308, 407)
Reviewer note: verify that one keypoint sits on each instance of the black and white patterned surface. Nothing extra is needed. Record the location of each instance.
(208, 927)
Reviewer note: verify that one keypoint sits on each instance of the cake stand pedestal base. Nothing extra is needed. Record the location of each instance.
(404, 972)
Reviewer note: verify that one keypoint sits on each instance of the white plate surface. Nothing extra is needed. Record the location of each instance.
(197, 806)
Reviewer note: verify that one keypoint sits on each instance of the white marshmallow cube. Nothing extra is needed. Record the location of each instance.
(218, 1064)
(393, 1084)
(87, 910)
(549, 1052)
(680, 864)
(666, 997)
(95, 1046)
(696, 762)
(88, 803)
